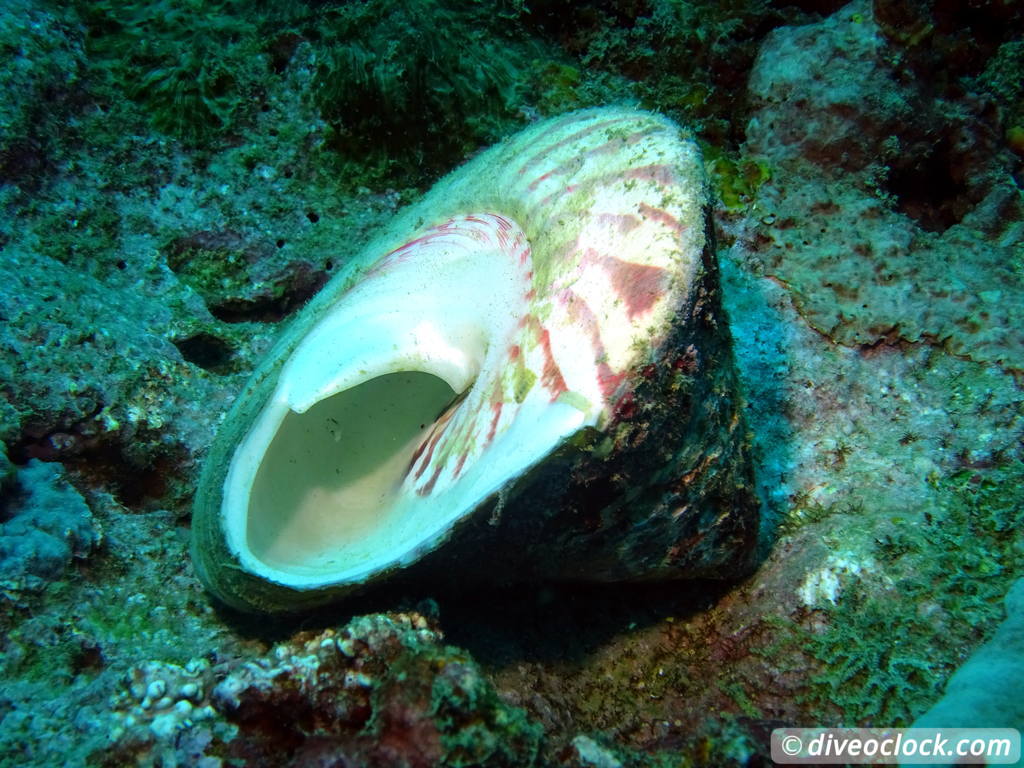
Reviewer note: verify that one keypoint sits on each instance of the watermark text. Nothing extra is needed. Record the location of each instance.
(894, 746)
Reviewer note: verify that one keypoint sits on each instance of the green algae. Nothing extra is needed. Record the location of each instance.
(199, 70)
(886, 654)
(677, 57)
(193, 66)
(1003, 80)
(420, 81)
(476, 726)
(557, 87)
(735, 179)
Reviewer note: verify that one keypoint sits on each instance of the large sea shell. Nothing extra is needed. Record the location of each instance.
(528, 376)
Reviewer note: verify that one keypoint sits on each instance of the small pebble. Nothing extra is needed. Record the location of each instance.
(183, 707)
(347, 647)
(156, 689)
(190, 691)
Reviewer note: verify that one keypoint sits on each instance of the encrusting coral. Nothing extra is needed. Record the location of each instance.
(164, 698)
(381, 691)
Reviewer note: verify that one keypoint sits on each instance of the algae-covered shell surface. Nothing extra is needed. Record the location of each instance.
(527, 376)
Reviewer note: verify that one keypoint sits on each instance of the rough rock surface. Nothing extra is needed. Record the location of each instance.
(871, 261)
(822, 93)
(44, 524)
(40, 81)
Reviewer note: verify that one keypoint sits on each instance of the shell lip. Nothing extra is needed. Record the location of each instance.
(407, 544)
(366, 453)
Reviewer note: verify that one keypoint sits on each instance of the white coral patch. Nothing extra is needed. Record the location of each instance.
(824, 585)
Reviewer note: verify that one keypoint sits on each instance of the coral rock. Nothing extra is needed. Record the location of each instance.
(382, 691)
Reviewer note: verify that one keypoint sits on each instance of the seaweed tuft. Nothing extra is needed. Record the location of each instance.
(400, 76)
(192, 66)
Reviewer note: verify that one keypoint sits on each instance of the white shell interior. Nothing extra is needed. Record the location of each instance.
(325, 492)
(319, 492)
